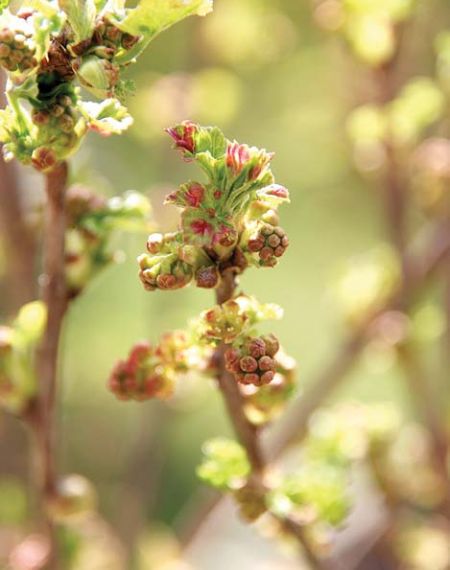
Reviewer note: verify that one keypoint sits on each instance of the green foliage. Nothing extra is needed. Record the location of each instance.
(369, 26)
(18, 344)
(225, 465)
(13, 502)
(233, 320)
(91, 227)
(317, 490)
(150, 17)
(98, 45)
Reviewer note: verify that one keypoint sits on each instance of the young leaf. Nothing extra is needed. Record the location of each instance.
(151, 17)
(81, 16)
(107, 118)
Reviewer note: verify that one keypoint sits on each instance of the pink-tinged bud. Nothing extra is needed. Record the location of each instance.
(138, 353)
(267, 377)
(253, 362)
(237, 157)
(277, 191)
(201, 227)
(141, 376)
(207, 277)
(184, 136)
(257, 348)
(251, 379)
(263, 160)
(43, 159)
(166, 281)
(272, 344)
(269, 243)
(225, 236)
(154, 243)
(195, 194)
(266, 363)
(248, 364)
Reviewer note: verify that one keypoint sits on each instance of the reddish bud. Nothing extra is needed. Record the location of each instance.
(183, 135)
(207, 277)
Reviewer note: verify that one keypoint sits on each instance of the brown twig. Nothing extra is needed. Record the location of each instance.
(20, 247)
(42, 420)
(247, 433)
(293, 428)
(394, 189)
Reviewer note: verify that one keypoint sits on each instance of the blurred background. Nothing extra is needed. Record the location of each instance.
(267, 75)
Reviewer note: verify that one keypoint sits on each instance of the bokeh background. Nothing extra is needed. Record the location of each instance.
(263, 72)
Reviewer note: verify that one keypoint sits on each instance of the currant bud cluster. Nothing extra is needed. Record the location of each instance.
(92, 221)
(56, 135)
(265, 403)
(268, 243)
(253, 362)
(17, 50)
(143, 375)
(52, 49)
(150, 371)
(219, 217)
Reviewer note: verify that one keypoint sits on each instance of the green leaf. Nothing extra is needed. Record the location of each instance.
(151, 17)
(31, 320)
(225, 464)
(81, 16)
(107, 118)
(4, 4)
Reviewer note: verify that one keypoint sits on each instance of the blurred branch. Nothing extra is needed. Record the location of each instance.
(293, 428)
(142, 476)
(247, 433)
(42, 416)
(395, 192)
(19, 244)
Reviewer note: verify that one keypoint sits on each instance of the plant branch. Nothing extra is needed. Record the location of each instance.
(293, 428)
(395, 187)
(20, 247)
(55, 298)
(246, 432)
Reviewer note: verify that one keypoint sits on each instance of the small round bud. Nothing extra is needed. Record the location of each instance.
(266, 363)
(207, 277)
(257, 347)
(74, 497)
(248, 364)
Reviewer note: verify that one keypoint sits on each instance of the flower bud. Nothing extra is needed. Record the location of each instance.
(207, 277)
(253, 362)
(74, 498)
(241, 157)
(142, 376)
(184, 137)
(17, 50)
(251, 501)
(267, 243)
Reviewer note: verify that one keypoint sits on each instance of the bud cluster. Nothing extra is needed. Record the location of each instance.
(91, 222)
(166, 267)
(253, 362)
(265, 403)
(59, 45)
(233, 319)
(267, 243)
(143, 375)
(219, 216)
(55, 132)
(17, 50)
